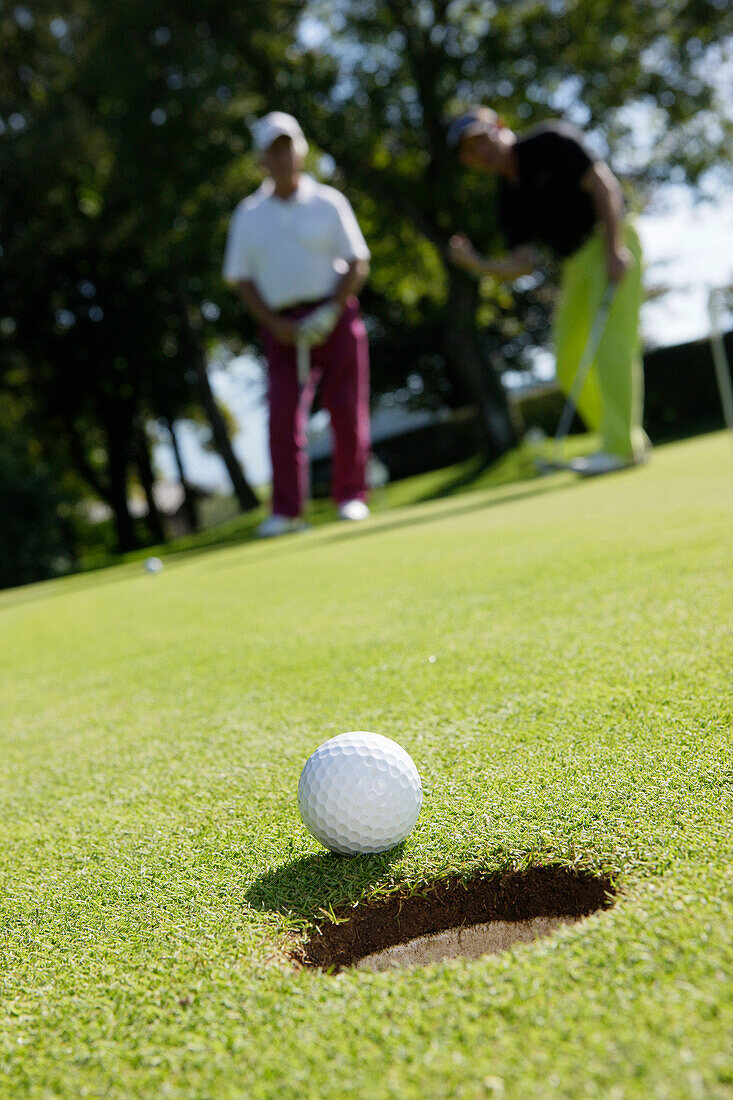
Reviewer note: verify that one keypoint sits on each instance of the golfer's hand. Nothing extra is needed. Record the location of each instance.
(525, 259)
(318, 325)
(283, 329)
(462, 253)
(618, 263)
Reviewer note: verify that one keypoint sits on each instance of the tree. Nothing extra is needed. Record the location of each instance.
(404, 67)
(117, 174)
(34, 540)
(125, 149)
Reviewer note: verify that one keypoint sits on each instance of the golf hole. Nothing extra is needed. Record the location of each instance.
(455, 918)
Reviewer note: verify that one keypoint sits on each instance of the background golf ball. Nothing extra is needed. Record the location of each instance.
(359, 792)
(153, 565)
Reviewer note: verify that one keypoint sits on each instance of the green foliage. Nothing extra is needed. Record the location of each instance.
(614, 69)
(124, 147)
(33, 542)
(37, 540)
(114, 208)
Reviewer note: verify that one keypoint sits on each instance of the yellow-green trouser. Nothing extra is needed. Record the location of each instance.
(611, 401)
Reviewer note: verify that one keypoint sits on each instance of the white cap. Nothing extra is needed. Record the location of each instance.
(278, 124)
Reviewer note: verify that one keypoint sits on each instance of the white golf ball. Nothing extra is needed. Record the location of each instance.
(153, 565)
(359, 792)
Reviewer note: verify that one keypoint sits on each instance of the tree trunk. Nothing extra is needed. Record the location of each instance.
(147, 479)
(477, 379)
(190, 509)
(117, 459)
(197, 360)
(112, 489)
(83, 467)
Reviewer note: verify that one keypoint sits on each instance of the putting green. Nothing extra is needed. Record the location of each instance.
(577, 711)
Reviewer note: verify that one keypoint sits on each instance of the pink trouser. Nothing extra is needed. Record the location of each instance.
(341, 364)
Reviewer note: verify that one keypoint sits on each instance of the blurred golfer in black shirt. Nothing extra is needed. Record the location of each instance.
(553, 193)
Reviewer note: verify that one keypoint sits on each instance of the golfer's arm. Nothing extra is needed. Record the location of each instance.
(351, 282)
(252, 299)
(608, 202)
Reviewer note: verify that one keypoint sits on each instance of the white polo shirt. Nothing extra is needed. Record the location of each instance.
(296, 249)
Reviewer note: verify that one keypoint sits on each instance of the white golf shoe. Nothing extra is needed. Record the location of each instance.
(276, 525)
(600, 463)
(353, 510)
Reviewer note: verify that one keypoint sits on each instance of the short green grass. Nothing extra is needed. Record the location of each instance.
(578, 710)
(516, 466)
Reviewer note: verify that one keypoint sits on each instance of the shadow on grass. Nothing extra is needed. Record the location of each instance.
(466, 479)
(293, 544)
(102, 574)
(318, 883)
(241, 531)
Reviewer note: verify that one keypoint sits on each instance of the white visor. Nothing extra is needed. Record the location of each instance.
(278, 124)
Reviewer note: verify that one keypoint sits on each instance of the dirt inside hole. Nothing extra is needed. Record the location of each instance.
(456, 918)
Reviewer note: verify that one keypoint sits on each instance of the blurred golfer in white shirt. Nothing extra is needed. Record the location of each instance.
(298, 257)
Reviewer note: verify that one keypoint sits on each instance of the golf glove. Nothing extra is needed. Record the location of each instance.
(318, 325)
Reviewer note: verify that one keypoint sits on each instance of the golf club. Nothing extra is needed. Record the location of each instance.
(304, 361)
(303, 353)
(581, 375)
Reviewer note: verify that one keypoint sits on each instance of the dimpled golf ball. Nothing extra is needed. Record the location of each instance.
(359, 792)
(153, 565)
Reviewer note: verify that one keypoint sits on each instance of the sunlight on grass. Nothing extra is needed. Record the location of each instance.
(554, 654)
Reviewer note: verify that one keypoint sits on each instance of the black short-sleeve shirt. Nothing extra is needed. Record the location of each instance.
(547, 205)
